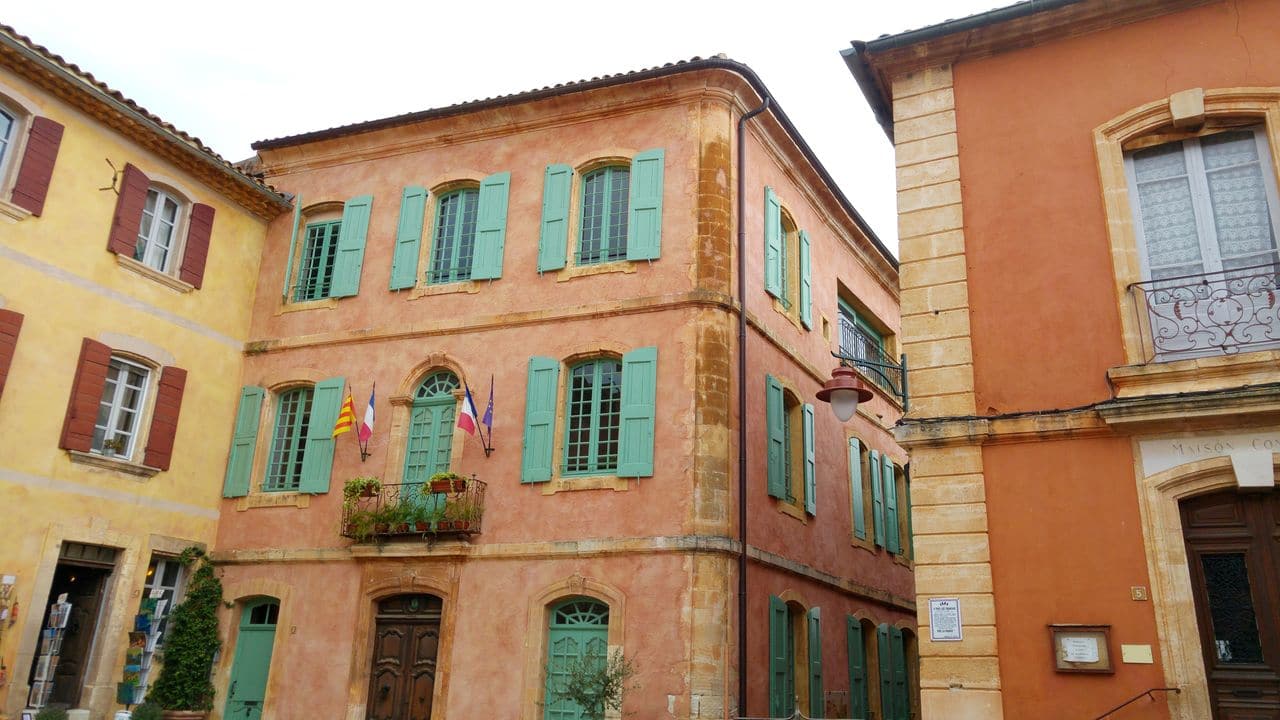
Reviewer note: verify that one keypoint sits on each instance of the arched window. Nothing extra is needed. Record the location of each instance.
(602, 232)
(289, 440)
(430, 442)
(578, 635)
(157, 235)
(593, 414)
(455, 236)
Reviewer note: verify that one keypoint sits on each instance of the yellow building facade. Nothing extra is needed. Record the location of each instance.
(128, 264)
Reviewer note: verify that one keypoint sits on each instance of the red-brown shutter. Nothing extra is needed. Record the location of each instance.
(10, 324)
(32, 185)
(86, 394)
(128, 218)
(164, 420)
(197, 251)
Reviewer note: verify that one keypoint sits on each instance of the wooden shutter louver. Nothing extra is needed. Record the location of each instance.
(31, 187)
(10, 326)
(164, 418)
(128, 216)
(86, 393)
(196, 252)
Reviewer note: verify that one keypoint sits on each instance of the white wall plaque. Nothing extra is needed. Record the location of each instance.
(944, 620)
(1160, 454)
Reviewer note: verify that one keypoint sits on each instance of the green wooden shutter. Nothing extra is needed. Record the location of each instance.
(885, 656)
(816, 695)
(539, 419)
(810, 467)
(857, 668)
(888, 477)
(898, 661)
(772, 244)
(779, 658)
(293, 246)
(404, 263)
(639, 408)
(351, 239)
(644, 231)
(317, 459)
(244, 439)
(806, 283)
(855, 489)
(776, 438)
(491, 227)
(877, 499)
(554, 239)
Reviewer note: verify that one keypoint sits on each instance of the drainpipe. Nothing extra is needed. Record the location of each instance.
(742, 405)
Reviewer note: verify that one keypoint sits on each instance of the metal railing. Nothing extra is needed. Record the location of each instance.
(1149, 692)
(858, 343)
(1217, 313)
(428, 509)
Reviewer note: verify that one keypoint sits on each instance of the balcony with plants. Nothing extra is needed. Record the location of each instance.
(447, 504)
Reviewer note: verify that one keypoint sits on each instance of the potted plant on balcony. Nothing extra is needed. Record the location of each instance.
(402, 518)
(462, 514)
(448, 482)
(360, 525)
(425, 518)
(362, 486)
(184, 688)
(384, 518)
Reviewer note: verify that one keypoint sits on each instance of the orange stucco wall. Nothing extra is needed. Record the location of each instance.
(386, 337)
(1065, 533)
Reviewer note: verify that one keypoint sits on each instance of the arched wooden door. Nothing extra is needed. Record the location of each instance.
(1234, 561)
(405, 644)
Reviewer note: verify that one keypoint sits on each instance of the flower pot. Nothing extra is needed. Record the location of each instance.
(464, 525)
(381, 528)
(400, 528)
(422, 526)
(368, 492)
(185, 714)
(448, 486)
(349, 529)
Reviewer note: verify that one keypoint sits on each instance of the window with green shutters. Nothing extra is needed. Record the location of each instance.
(602, 229)
(578, 634)
(889, 476)
(319, 253)
(877, 498)
(787, 265)
(289, 440)
(813, 622)
(790, 457)
(593, 417)
(431, 421)
(782, 653)
(858, 671)
(453, 246)
(857, 490)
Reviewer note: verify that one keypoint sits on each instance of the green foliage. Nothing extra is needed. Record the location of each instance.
(446, 475)
(147, 711)
(192, 641)
(357, 486)
(596, 684)
(50, 713)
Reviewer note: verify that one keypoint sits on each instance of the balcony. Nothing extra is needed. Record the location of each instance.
(856, 342)
(1212, 314)
(428, 510)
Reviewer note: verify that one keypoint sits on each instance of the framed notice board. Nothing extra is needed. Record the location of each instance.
(1081, 648)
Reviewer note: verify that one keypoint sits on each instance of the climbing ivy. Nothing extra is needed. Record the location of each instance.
(192, 641)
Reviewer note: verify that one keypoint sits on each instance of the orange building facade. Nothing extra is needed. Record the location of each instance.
(1088, 219)
(571, 252)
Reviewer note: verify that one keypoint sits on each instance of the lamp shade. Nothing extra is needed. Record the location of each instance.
(844, 391)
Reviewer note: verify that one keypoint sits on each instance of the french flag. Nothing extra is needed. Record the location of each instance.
(467, 418)
(365, 431)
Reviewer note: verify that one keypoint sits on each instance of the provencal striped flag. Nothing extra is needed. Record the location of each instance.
(346, 416)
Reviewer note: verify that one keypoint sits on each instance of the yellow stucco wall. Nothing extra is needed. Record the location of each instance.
(56, 271)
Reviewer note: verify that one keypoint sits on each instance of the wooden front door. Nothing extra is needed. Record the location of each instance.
(252, 663)
(405, 643)
(84, 587)
(1234, 560)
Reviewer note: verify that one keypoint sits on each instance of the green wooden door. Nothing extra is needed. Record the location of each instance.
(252, 661)
(579, 633)
(430, 444)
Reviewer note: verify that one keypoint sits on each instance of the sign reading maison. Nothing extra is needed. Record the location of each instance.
(1160, 454)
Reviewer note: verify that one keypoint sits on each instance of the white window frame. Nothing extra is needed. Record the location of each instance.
(151, 240)
(9, 143)
(1201, 203)
(116, 407)
(179, 586)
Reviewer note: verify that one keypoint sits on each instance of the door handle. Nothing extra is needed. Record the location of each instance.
(232, 692)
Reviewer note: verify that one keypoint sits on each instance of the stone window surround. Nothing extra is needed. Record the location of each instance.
(23, 109)
(402, 408)
(257, 497)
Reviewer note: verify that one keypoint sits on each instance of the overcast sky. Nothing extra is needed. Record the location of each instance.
(234, 72)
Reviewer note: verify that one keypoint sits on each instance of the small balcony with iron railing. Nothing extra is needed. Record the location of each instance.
(1210, 314)
(880, 369)
(430, 510)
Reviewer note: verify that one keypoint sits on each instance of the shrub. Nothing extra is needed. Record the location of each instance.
(184, 682)
(147, 711)
(52, 714)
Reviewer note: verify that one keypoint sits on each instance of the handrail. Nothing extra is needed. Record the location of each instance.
(1145, 693)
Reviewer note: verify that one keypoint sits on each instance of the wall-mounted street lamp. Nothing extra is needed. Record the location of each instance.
(845, 389)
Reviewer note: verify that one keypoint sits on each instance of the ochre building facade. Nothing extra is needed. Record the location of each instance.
(1088, 213)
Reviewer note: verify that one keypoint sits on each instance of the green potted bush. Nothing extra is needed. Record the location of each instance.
(147, 711)
(596, 684)
(360, 525)
(462, 514)
(448, 482)
(361, 486)
(184, 689)
(51, 713)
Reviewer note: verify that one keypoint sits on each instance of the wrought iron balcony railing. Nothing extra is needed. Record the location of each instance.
(428, 509)
(1217, 313)
(856, 342)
